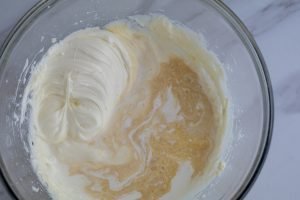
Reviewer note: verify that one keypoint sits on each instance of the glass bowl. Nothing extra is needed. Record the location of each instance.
(246, 78)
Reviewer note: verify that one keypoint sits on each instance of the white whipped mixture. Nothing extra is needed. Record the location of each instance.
(79, 90)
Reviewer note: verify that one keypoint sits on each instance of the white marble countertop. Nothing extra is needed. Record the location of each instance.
(275, 25)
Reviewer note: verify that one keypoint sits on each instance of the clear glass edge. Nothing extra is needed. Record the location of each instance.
(5, 49)
(249, 42)
(267, 91)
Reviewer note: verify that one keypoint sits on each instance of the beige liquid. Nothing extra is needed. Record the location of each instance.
(190, 137)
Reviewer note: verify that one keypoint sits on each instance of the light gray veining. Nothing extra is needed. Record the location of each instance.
(288, 94)
(260, 16)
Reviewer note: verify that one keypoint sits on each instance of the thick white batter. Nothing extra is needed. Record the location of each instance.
(132, 111)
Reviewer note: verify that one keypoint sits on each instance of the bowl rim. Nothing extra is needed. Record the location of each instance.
(249, 42)
(266, 86)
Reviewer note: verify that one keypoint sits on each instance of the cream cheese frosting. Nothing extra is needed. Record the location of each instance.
(135, 110)
(74, 74)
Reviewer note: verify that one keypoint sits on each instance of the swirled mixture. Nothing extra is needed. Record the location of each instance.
(135, 110)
